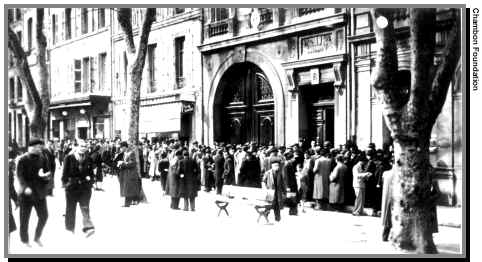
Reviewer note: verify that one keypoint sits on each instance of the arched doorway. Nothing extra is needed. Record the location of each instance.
(244, 106)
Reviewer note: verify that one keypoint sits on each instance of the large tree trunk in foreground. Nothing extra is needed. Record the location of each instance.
(410, 113)
(136, 60)
(44, 74)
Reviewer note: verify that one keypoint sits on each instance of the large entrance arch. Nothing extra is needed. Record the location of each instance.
(272, 74)
(244, 106)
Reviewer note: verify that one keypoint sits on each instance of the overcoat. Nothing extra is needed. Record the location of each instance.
(172, 184)
(250, 172)
(129, 173)
(190, 182)
(337, 184)
(321, 188)
(228, 173)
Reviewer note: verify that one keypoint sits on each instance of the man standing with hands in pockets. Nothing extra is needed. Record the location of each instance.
(33, 178)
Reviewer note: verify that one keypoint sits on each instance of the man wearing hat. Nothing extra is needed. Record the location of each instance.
(273, 179)
(78, 178)
(219, 171)
(33, 179)
(228, 173)
(359, 178)
(173, 180)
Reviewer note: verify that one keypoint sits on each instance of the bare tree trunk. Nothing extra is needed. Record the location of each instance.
(44, 74)
(136, 59)
(33, 103)
(410, 113)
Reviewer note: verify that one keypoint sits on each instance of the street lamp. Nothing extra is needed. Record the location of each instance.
(382, 22)
(64, 113)
(82, 111)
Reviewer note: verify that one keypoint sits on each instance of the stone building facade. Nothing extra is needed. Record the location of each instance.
(234, 75)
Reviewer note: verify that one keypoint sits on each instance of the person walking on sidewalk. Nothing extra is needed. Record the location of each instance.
(359, 178)
(189, 181)
(78, 178)
(33, 189)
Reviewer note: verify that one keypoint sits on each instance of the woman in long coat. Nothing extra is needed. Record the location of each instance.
(172, 184)
(250, 171)
(321, 183)
(337, 183)
(130, 175)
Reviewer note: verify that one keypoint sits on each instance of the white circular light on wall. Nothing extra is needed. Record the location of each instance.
(82, 111)
(64, 113)
(382, 22)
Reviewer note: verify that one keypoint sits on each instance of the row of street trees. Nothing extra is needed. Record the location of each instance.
(410, 111)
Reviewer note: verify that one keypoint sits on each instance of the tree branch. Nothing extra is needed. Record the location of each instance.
(33, 103)
(124, 16)
(422, 45)
(385, 76)
(146, 29)
(445, 71)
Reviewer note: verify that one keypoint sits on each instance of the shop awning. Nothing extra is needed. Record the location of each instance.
(70, 105)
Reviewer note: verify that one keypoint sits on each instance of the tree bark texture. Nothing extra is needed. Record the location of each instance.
(44, 74)
(33, 102)
(136, 61)
(410, 113)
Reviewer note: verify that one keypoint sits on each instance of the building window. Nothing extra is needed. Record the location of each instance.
(19, 36)
(85, 74)
(125, 74)
(101, 13)
(54, 29)
(29, 31)
(219, 14)
(10, 15)
(307, 11)
(84, 21)
(179, 10)
(77, 76)
(266, 15)
(19, 90)
(11, 88)
(151, 56)
(68, 23)
(18, 14)
(102, 66)
(179, 45)
(99, 128)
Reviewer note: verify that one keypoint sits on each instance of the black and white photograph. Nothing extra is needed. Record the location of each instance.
(232, 130)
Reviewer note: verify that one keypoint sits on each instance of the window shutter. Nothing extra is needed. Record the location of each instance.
(77, 21)
(92, 74)
(62, 34)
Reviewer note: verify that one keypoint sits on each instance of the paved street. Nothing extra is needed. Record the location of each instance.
(153, 228)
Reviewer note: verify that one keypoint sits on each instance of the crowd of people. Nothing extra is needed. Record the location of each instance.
(331, 178)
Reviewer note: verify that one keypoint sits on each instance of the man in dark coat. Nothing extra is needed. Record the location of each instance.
(173, 180)
(279, 187)
(78, 177)
(189, 181)
(96, 157)
(228, 174)
(130, 174)
(163, 168)
(219, 171)
(49, 155)
(250, 171)
(33, 189)
(289, 172)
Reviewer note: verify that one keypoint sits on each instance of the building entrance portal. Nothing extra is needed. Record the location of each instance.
(244, 106)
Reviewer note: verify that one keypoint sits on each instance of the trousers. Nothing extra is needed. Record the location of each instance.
(189, 201)
(26, 205)
(359, 201)
(83, 198)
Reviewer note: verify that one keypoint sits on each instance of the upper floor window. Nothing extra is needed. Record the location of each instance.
(19, 90)
(266, 15)
(29, 30)
(68, 23)
(307, 11)
(102, 71)
(101, 14)
(179, 45)
(11, 88)
(54, 29)
(77, 76)
(84, 26)
(10, 15)
(179, 10)
(219, 14)
(18, 14)
(151, 66)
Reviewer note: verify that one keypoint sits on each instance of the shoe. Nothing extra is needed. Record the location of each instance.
(89, 233)
(38, 242)
(125, 206)
(192, 210)
(185, 209)
(26, 244)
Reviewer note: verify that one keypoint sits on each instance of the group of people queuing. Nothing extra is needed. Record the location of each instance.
(331, 178)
